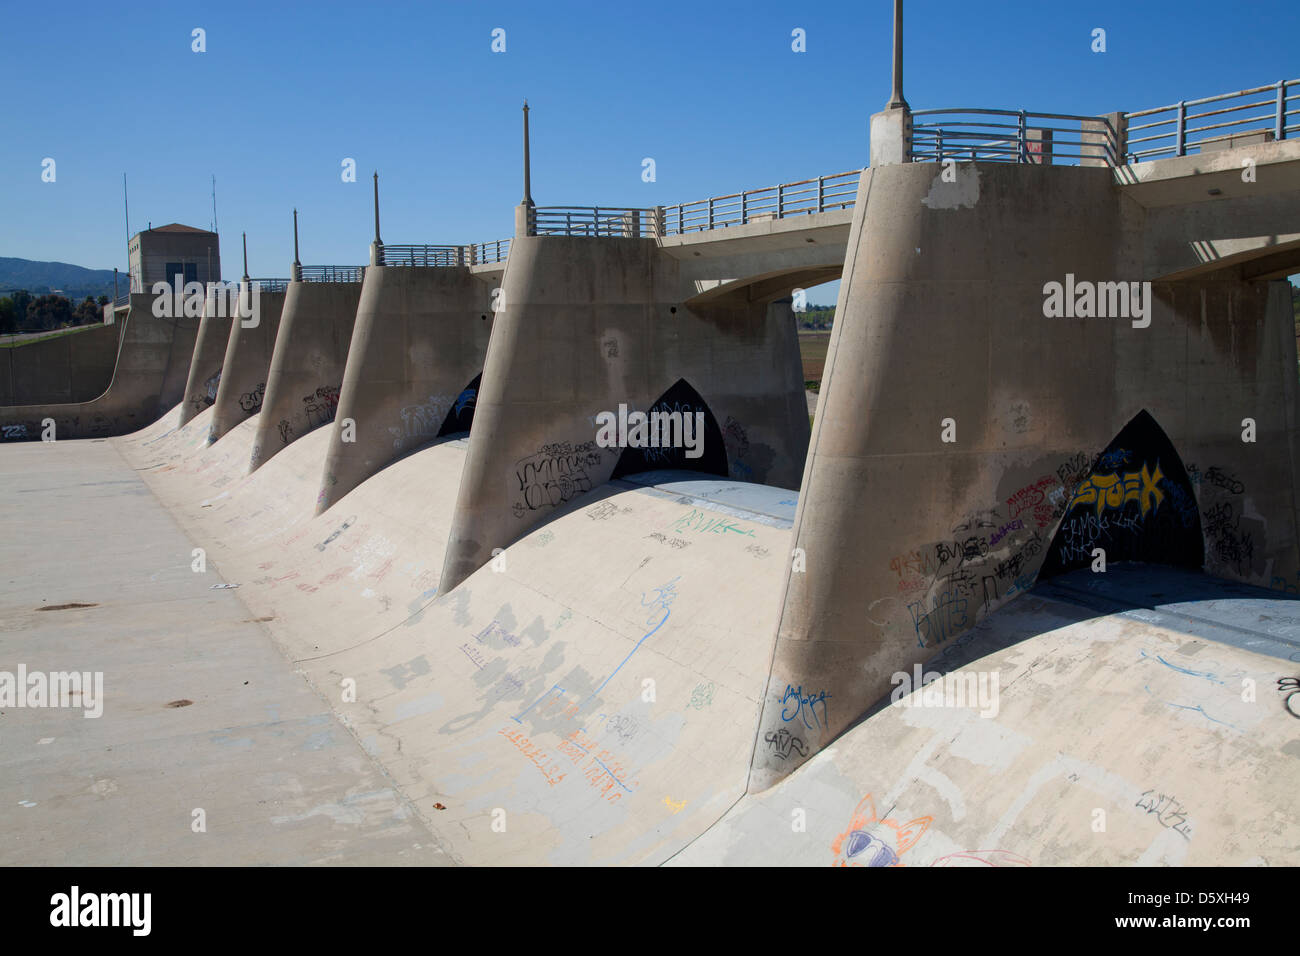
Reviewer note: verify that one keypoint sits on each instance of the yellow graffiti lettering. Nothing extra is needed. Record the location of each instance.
(1115, 491)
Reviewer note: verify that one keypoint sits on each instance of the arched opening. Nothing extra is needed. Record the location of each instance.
(461, 414)
(1136, 504)
(668, 418)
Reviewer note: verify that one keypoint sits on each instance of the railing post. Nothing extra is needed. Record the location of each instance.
(1022, 145)
(821, 193)
(681, 219)
(744, 208)
(1279, 121)
(1180, 131)
(710, 212)
(780, 202)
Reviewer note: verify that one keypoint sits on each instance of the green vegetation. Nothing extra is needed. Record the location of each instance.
(22, 312)
(812, 352)
(815, 318)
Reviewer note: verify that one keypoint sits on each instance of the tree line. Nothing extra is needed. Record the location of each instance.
(23, 312)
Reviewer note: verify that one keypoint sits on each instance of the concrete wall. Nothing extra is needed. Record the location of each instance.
(420, 339)
(311, 350)
(70, 368)
(590, 324)
(209, 353)
(149, 377)
(910, 540)
(247, 362)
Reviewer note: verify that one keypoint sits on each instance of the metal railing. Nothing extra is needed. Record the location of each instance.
(605, 221)
(476, 253)
(837, 191)
(271, 285)
(1012, 136)
(1175, 131)
(123, 299)
(331, 273)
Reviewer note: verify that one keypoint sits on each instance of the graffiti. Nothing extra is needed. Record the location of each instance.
(321, 405)
(675, 543)
(942, 621)
(915, 562)
(1033, 496)
(1229, 545)
(535, 755)
(782, 743)
(1228, 483)
(701, 522)
(338, 531)
(476, 658)
(1113, 491)
(466, 399)
(286, 431)
(1291, 687)
(13, 432)
(1111, 460)
(874, 841)
(495, 629)
(702, 695)
(557, 473)
(611, 348)
(1169, 812)
(757, 550)
(1144, 511)
(624, 726)
(1002, 532)
(252, 401)
(1074, 470)
(605, 510)
(805, 706)
(421, 421)
(676, 806)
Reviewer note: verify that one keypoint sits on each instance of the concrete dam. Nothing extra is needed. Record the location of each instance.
(361, 581)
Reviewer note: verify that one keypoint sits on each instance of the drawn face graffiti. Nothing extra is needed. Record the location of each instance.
(872, 841)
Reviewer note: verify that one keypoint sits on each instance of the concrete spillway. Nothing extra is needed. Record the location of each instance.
(72, 367)
(600, 690)
(152, 363)
(209, 352)
(246, 366)
(412, 371)
(311, 350)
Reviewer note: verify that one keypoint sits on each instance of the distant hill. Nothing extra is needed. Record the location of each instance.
(74, 282)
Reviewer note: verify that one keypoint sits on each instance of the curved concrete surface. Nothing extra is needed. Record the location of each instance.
(591, 324)
(603, 688)
(1145, 731)
(152, 364)
(71, 367)
(964, 439)
(419, 342)
(599, 690)
(245, 367)
(311, 350)
(209, 352)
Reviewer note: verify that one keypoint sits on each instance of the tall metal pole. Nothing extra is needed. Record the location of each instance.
(378, 241)
(528, 189)
(245, 235)
(896, 100)
(297, 266)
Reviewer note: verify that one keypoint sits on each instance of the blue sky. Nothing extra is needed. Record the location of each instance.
(711, 91)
